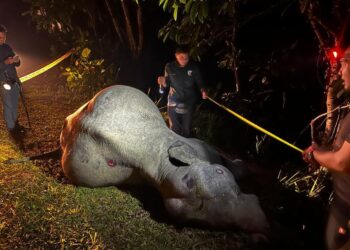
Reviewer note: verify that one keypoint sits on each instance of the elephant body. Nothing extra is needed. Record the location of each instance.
(120, 137)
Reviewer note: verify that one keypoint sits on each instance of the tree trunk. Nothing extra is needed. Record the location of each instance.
(115, 21)
(307, 7)
(330, 102)
(234, 52)
(128, 28)
(140, 30)
(235, 69)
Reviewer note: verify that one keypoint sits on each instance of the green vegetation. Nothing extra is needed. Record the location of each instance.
(86, 76)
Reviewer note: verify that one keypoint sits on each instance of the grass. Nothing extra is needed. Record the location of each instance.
(38, 212)
(311, 184)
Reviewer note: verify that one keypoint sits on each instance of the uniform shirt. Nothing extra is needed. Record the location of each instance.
(7, 70)
(186, 81)
(341, 181)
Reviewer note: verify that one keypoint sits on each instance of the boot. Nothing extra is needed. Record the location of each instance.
(19, 128)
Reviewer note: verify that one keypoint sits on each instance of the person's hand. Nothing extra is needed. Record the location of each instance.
(308, 157)
(12, 60)
(161, 81)
(172, 91)
(15, 59)
(204, 94)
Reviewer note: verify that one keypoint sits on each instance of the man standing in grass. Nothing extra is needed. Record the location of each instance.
(10, 84)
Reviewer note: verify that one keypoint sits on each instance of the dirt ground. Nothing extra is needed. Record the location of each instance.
(294, 218)
(48, 103)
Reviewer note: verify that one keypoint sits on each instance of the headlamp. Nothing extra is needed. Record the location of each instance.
(334, 54)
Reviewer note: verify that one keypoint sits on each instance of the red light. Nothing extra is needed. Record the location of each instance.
(335, 54)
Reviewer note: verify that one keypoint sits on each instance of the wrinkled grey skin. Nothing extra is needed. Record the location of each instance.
(120, 137)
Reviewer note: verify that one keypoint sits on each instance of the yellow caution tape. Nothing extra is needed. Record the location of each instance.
(256, 126)
(46, 68)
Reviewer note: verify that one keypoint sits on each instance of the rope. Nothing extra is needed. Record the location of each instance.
(324, 114)
(255, 125)
(335, 109)
(45, 68)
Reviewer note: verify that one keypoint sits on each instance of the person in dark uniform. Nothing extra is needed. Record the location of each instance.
(183, 80)
(10, 84)
(337, 161)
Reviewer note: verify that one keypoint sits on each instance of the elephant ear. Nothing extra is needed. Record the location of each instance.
(182, 154)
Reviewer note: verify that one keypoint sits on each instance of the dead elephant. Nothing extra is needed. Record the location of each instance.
(120, 136)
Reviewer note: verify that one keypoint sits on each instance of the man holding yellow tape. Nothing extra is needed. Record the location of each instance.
(10, 85)
(337, 161)
(183, 79)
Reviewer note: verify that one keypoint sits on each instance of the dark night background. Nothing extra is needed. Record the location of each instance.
(32, 46)
(292, 96)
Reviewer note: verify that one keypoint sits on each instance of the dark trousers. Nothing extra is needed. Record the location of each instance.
(181, 123)
(338, 226)
(10, 105)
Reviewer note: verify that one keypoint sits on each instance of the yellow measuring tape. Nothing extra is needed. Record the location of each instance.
(255, 126)
(57, 61)
(46, 68)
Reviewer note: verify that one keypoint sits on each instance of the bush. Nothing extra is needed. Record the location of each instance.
(86, 76)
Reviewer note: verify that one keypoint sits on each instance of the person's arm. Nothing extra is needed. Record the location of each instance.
(199, 83)
(16, 61)
(12, 58)
(164, 81)
(4, 65)
(335, 161)
(204, 93)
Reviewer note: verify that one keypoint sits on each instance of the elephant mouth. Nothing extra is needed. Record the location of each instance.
(178, 163)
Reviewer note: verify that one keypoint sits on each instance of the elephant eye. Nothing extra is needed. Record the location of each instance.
(219, 171)
(177, 162)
